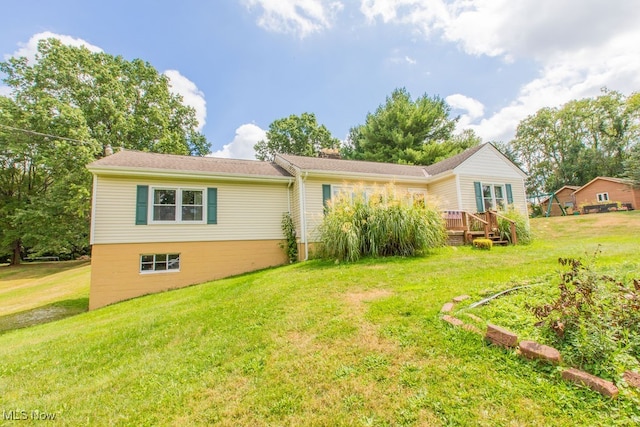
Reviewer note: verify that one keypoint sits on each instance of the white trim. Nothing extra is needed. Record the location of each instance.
(92, 229)
(178, 205)
(154, 271)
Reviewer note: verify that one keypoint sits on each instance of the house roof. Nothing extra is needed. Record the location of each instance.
(130, 159)
(569, 187)
(605, 178)
(452, 162)
(353, 166)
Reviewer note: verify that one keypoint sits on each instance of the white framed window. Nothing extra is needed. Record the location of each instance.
(336, 190)
(177, 205)
(493, 197)
(603, 197)
(159, 263)
(418, 196)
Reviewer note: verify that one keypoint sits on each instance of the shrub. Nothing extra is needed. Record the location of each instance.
(483, 244)
(290, 245)
(384, 224)
(522, 226)
(595, 320)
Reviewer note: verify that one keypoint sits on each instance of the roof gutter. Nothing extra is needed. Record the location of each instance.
(163, 173)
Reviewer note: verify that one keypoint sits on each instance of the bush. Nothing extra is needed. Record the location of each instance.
(595, 320)
(384, 224)
(483, 244)
(290, 245)
(522, 226)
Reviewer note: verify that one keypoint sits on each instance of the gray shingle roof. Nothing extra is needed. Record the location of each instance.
(128, 159)
(353, 166)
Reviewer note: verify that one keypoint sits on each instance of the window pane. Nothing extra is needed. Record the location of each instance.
(161, 262)
(192, 197)
(164, 197)
(498, 190)
(146, 267)
(164, 213)
(192, 213)
(486, 191)
(146, 258)
(174, 262)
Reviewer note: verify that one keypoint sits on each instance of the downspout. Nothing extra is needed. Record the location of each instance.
(303, 216)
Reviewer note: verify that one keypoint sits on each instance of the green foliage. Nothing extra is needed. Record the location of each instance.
(385, 223)
(581, 140)
(73, 93)
(632, 166)
(407, 131)
(483, 243)
(291, 245)
(300, 135)
(595, 319)
(523, 233)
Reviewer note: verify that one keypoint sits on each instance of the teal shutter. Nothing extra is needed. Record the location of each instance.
(479, 201)
(212, 205)
(326, 195)
(509, 194)
(142, 200)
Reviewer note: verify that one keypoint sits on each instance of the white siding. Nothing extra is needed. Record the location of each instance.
(246, 211)
(445, 193)
(469, 195)
(489, 162)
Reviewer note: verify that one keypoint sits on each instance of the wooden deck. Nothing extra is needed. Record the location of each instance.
(463, 227)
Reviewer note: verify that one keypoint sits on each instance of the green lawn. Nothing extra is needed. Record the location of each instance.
(318, 344)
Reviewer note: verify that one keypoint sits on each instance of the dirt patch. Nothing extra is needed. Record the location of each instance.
(358, 298)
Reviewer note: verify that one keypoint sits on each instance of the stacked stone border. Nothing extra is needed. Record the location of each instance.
(532, 350)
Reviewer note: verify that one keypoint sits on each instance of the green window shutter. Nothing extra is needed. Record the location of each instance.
(142, 200)
(509, 194)
(212, 205)
(326, 195)
(479, 201)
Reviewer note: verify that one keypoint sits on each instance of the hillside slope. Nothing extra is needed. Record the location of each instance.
(317, 344)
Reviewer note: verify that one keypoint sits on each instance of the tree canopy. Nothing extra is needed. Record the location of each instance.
(64, 107)
(406, 131)
(579, 141)
(301, 135)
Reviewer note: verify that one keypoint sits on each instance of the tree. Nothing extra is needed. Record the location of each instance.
(403, 131)
(577, 142)
(301, 135)
(82, 101)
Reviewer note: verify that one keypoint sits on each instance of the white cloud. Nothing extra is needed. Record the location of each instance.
(579, 45)
(300, 17)
(191, 95)
(410, 60)
(473, 107)
(30, 48)
(241, 147)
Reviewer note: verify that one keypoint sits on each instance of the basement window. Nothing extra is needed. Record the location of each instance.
(156, 263)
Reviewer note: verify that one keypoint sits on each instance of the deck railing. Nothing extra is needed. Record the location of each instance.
(486, 222)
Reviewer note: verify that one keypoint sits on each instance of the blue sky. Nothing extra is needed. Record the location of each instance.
(243, 64)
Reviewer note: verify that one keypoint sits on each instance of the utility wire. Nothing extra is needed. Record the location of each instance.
(32, 132)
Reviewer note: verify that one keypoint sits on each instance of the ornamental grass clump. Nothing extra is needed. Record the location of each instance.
(384, 222)
(522, 226)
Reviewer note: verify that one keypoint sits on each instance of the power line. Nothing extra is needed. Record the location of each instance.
(32, 132)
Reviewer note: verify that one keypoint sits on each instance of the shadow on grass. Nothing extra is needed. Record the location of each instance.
(322, 264)
(45, 314)
(37, 270)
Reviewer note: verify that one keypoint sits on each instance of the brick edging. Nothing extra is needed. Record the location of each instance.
(532, 350)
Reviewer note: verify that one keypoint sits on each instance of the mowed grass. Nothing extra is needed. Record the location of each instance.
(33, 293)
(319, 343)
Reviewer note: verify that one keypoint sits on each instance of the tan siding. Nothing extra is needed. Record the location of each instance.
(246, 211)
(445, 193)
(115, 269)
(314, 208)
(469, 196)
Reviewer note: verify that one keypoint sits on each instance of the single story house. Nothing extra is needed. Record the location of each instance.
(164, 221)
(605, 193)
(563, 197)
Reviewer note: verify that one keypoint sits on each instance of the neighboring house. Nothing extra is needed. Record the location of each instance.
(165, 221)
(604, 193)
(564, 198)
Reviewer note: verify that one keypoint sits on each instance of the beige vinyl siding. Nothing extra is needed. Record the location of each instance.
(489, 162)
(315, 209)
(445, 193)
(246, 211)
(469, 195)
